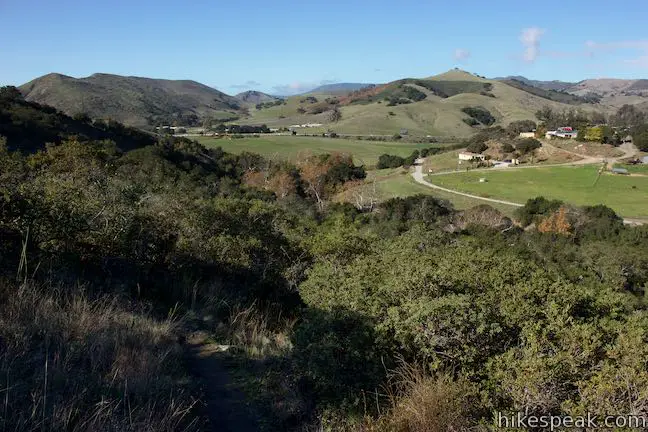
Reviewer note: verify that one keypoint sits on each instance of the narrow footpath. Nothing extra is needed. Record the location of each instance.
(226, 406)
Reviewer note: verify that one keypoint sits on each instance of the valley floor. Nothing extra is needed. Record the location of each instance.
(292, 147)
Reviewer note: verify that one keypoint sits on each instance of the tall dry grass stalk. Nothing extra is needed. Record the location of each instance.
(68, 362)
(424, 403)
(259, 332)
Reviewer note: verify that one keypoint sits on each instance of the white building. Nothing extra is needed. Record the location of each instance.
(563, 132)
(468, 156)
(307, 125)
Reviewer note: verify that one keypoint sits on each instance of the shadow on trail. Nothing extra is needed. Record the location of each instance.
(226, 406)
(333, 359)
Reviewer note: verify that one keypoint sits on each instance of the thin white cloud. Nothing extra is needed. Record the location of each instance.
(530, 38)
(638, 47)
(461, 54)
(612, 46)
(641, 61)
(246, 85)
(293, 88)
(299, 87)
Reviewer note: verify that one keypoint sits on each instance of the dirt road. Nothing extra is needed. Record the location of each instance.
(419, 178)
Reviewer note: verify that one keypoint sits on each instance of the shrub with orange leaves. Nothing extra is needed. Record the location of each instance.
(557, 223)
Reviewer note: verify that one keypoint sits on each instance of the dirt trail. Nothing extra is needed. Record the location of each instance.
(586, 160)
(628, 150)
(226, 406)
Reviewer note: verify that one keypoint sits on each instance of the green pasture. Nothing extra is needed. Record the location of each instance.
(627, 195)
(289, 147)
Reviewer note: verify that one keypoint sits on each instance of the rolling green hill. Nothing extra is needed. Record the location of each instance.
(428, 106)
(132, 100)
(434, 105)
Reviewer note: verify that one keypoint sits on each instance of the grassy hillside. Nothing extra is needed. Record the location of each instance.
(131, 100)
(557, 96)
(429, 106)
(545, 85)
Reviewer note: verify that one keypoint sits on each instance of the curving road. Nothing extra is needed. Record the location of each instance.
(419, 178)
(628, 149)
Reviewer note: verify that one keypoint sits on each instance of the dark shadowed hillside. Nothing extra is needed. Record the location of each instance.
(131, 100)
(28, 126)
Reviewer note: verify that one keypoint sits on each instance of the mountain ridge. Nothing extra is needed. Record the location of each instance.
(556, 85)
(137, 101)
(416, 104)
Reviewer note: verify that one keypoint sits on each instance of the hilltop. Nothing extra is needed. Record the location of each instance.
(131, 100)
(254, 97)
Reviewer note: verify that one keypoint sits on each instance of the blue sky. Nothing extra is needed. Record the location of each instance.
(284, 47)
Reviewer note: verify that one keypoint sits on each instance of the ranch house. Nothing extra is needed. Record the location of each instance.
(563, 132)
(468, 156)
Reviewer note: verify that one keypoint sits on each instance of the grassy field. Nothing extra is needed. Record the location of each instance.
(634, 169)
(289, 147)
(393, 183)
(627, 195)
(447, 161)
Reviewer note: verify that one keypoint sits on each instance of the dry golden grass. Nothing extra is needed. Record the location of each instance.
(258, 332)
(424, 403)
(71, 363)
(588, 148)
